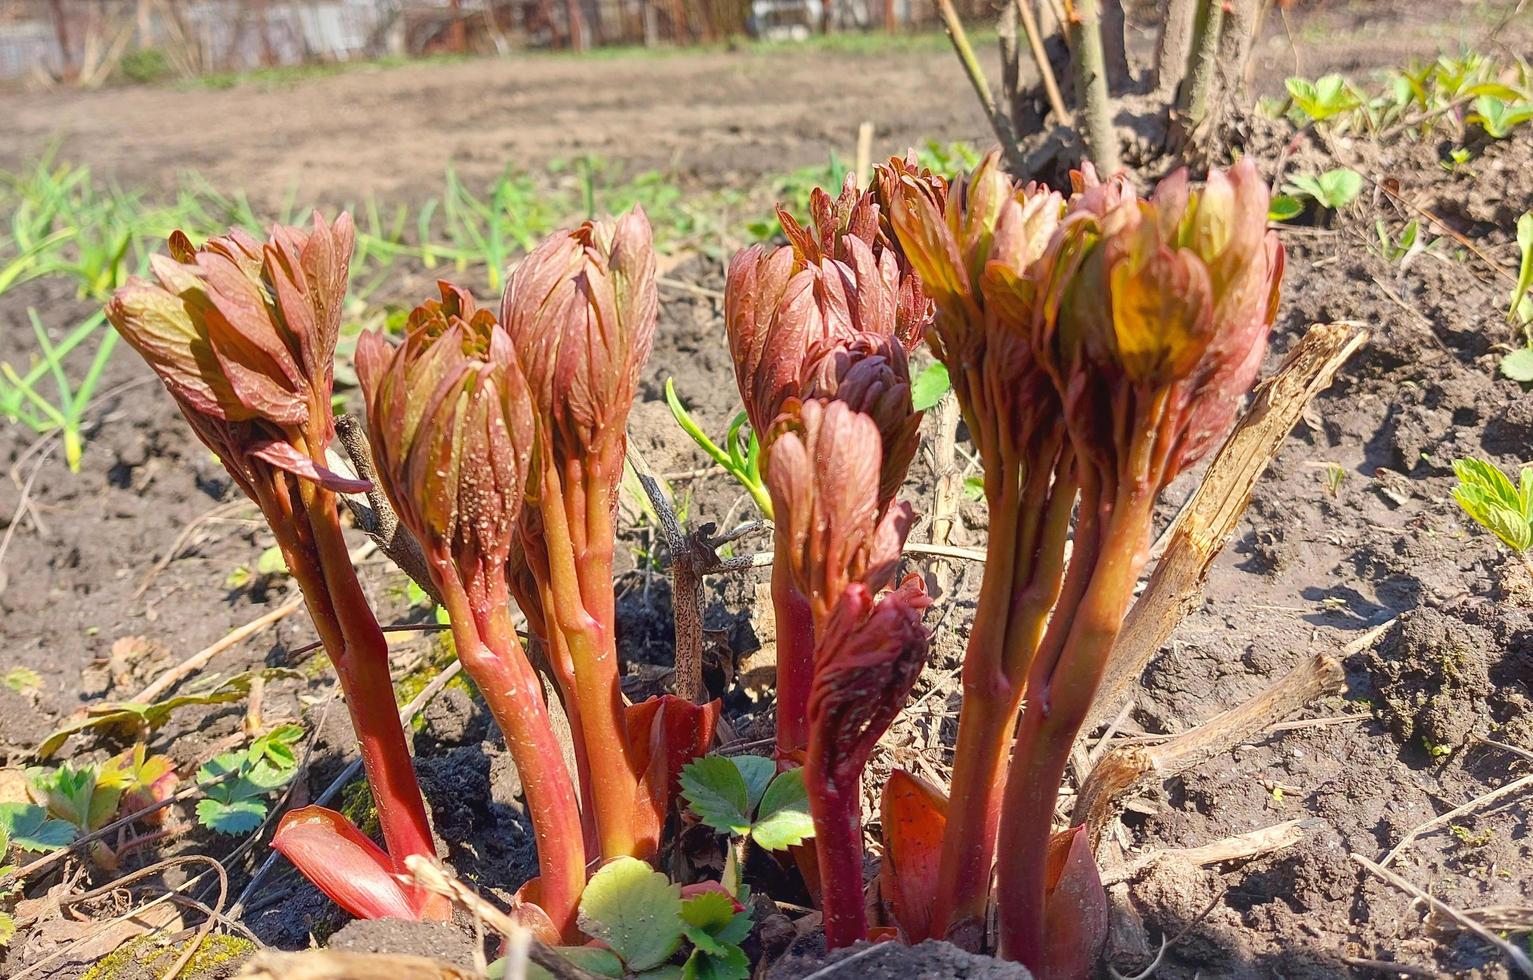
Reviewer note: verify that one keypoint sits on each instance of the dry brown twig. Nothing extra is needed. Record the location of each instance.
(191, 665)
(436, 878)
(1519, 959)
(1176, 586)
(692, 555)
(1127, 769)
(1240, 847)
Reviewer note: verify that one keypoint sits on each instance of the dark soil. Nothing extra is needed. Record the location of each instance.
(1435, 700)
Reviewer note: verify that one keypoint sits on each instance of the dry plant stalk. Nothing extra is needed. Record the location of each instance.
(324, 964)
(1126, 769)
(1240, 847)
(1176, 586)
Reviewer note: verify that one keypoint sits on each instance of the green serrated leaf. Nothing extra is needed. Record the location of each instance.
(704, 966)
(717, 793)
(783, 820)
(738, 927)
(704, 941)
(237, 817)
(220, 766)
(1284, 207)
(928, 387)
(757, 773)
(31, 829)
(635, 910)
(708, 910)
(7, 928)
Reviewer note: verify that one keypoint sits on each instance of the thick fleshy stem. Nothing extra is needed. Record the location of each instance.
(795, 661)
(1059, 694)
(837, 813)
(575, 566)
(493, 656)
(357, 648)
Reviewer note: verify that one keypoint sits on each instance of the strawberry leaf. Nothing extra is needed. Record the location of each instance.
(784, 819)
(717, 792)
(635, 910)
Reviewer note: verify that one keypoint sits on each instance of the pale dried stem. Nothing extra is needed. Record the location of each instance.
(1126, 770)
(1241, 847)
(1205, 524)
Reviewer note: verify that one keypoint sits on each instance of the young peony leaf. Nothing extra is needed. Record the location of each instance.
(757, 772)
(929, 386)
(31, 829)
(236, 817)
(717, 792)
(784, 820)
(732, 965)
(635, 910)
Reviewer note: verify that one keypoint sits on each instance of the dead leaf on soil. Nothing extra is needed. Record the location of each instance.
(133, 720)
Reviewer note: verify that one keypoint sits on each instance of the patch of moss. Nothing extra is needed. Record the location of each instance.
(216, 956)
(440, 654)
(357, 806)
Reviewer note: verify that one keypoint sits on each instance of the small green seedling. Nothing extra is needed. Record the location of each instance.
(740, 457)
(1521, 308)
(1404, 249)
(1496, 504)
(642, 923)
(268, 567)
(21, 401)
(237, 783)
(22, 680)
(1333, 190)
(1498, 117)
(1335, 476)
(1325, 98)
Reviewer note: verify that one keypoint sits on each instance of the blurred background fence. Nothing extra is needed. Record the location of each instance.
(88, 42)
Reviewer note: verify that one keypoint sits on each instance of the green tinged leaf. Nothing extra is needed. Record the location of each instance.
(1284, 207)
(234, 817)
(783, 820)
(1518, 365)
(708, 910)
(1525, 269)
(717, 792)
(929, 386)
(22, 679)
(757, 773)
(271, 562)
(705, 966)
(635, 910)
(31, 829)
(7, 928)
(1489, 497)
